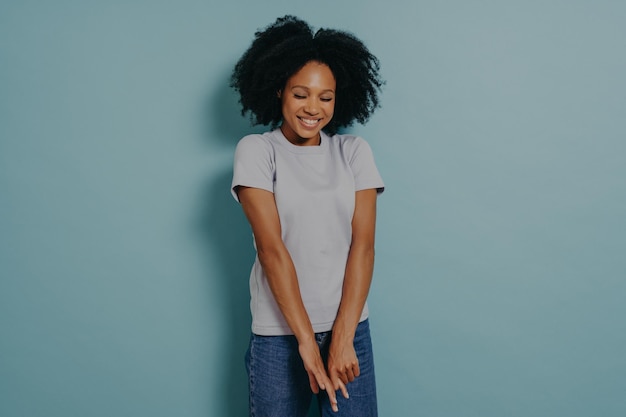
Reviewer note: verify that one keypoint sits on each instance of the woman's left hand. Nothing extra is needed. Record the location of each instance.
(343, 365)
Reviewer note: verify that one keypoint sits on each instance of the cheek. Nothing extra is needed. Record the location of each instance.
(289, 107)
(285, 108)
(330, 108)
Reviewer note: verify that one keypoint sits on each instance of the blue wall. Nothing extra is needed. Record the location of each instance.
(500, 280)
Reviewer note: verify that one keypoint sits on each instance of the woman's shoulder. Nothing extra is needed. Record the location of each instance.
(256, 139)
(256, 142)
(255, 147)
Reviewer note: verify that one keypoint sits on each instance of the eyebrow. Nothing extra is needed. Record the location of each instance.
(307, 88)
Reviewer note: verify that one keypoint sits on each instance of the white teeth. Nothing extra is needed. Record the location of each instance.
(310, 122)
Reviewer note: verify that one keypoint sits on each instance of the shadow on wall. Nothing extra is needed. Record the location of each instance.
(227, 235)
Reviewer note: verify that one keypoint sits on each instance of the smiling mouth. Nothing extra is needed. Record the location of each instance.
(309, 122)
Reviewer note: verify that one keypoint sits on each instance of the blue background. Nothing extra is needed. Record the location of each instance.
(500, 279)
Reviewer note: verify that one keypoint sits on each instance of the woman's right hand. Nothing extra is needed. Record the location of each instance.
(318, 379)
(259, 207)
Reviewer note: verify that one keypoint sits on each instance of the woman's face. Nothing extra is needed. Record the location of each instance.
(308, 103)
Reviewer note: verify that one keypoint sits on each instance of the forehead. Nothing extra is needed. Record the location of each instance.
(313, 75)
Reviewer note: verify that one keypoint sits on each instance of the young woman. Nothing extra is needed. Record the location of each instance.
(310, 197)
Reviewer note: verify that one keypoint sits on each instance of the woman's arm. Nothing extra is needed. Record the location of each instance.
(259, 207)
(343, 365)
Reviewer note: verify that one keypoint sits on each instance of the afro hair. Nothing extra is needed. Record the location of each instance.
(283, 48)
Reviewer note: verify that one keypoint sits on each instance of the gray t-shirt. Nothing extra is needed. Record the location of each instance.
(314, 188)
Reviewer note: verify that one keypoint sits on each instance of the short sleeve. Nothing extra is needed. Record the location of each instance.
(253, 164)
(364, 168)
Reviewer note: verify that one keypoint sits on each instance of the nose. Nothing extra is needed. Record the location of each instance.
(311, 106)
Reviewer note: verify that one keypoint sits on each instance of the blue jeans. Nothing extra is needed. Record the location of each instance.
(279, 385)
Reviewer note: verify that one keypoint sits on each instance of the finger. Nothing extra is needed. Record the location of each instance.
(344, 390)
(335, 376)
(332, 396)
(339, 376)
(356, 370)
(339, 383)
(313, 383)
(349, 375)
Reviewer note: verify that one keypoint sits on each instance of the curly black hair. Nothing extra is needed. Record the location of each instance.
(283, 48)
